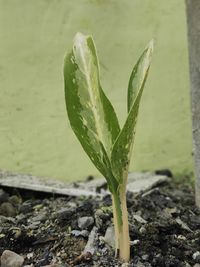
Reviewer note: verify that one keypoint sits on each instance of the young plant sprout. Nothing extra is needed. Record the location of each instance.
(94, 122)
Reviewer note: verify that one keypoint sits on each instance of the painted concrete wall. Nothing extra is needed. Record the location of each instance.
(35, 136)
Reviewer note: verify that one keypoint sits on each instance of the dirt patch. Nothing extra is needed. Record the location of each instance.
(164, 228)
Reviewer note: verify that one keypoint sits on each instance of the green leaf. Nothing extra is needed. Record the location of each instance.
(122, 148)
(91, 114)
(138, 74)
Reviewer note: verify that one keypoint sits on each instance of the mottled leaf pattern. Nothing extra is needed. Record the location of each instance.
(122, 149)
(91, 114)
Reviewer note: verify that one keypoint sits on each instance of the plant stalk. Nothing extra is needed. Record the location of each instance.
(122, 239)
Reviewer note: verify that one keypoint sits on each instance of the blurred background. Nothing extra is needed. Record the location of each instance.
(35, 136)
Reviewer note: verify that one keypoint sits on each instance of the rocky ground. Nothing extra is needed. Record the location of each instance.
(41, 230)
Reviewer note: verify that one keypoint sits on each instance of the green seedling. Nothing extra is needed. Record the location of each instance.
(94, 122)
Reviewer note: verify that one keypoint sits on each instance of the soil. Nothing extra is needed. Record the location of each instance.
(164, 228)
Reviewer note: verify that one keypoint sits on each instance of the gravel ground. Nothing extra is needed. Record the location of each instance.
(78, 231)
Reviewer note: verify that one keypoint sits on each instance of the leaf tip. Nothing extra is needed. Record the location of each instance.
(150, 47)
(151, 44)
(80, 38)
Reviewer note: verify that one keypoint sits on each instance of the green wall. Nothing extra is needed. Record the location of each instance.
(35, 136)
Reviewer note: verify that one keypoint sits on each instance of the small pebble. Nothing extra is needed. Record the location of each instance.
(77, 233)
(26, 207)
(140, 264)
(29, 255)
(139, 219)
(7, 209)
(33, 225)
(183, 225)
(109, 237)
(64, 213)
(196, 256)
(45, 258)
(145, 257)
(85, 222)
(98, 218)
(135, 242)
(142, 230)
(125, 265)
(90, 246)
(39, 218)
(181, 237)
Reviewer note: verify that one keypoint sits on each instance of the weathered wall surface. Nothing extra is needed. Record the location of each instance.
(193, 19)
(35, 136)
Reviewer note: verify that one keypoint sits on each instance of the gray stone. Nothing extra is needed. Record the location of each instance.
(143, 182)
(85, 222)
(7, 209)
(183, 225)
(26, 207)
(99, 218)
(11, 259)
(135, 242)
(145, 257)
(30, 255)
(64, 214)
(181, 237)
(196, 256)
(33, 226)
(77, 233)
(4, 219)
(140, 264)
(109, 237)
(39, 218)
(90, 246)
(142, 230)
(98, 185)
(139, 219)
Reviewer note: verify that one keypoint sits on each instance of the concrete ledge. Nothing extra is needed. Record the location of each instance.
(137, 183)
